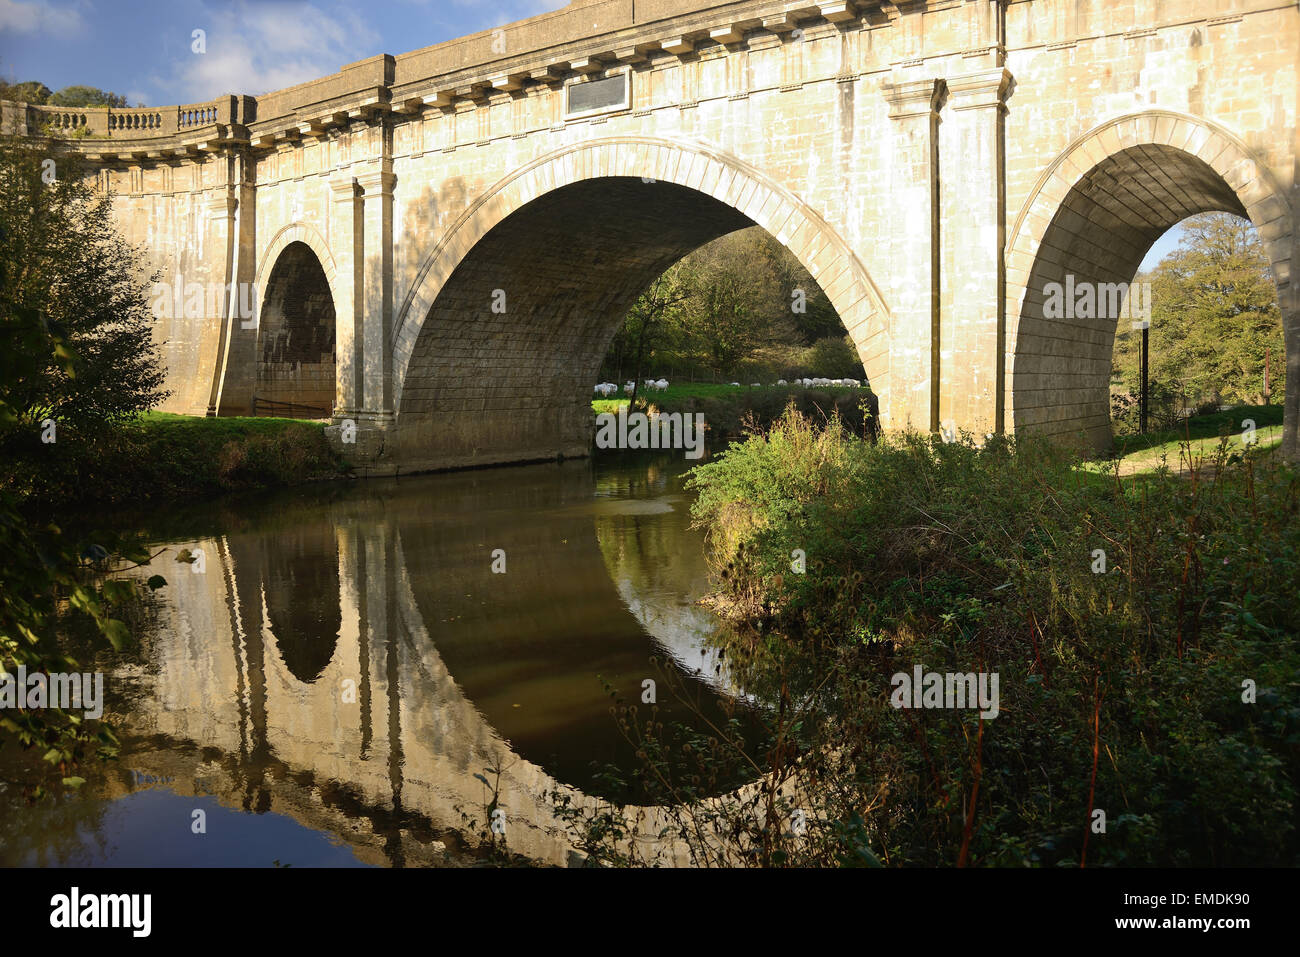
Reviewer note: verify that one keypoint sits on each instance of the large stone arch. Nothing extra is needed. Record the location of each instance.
(753, 196)
(1094, 212)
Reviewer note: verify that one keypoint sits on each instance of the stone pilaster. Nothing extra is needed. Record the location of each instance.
(914, 199)
(972, 299)
(377, 297)
(219, 221)
(345, 243)
(237, 366)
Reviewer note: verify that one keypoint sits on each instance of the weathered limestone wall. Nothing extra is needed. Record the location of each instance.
(934, 165)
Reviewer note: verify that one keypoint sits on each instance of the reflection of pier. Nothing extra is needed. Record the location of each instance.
(302, 668)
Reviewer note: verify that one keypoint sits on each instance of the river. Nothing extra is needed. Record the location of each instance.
(348, 663)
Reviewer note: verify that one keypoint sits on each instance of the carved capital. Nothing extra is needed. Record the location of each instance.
(343, 189)
(376, 183)
(914, 97)
(980, 89)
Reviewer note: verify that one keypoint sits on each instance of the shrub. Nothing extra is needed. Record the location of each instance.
(1121, 685)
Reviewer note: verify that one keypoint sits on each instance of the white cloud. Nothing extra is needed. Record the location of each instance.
(257, 49)
(20, 17)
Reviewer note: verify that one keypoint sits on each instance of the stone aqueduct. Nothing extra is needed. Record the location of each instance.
(933, 163)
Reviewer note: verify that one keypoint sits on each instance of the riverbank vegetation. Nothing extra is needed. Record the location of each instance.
(1144, 633)
(159, 457)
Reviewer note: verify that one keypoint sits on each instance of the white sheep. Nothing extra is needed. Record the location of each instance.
(661, 384)
(781, 382)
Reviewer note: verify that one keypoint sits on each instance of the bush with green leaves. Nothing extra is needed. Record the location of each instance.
(1144, 632)
(49, 579)
(66, 262)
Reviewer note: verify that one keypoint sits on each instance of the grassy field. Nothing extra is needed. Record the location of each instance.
(1196, 443)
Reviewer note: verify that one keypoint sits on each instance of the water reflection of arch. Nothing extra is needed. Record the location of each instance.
(539, 648)
(434, 697)
(296, 577)
(657, 562)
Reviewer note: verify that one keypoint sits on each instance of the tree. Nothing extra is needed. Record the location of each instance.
(1214, 314)
(835, 357)
(737, 304)
(44, 574)
(745, 299)
(810, 311)
(66, 263)
(29, 92)
(86, 96)
(75, 345)
(647, 315)
(37, 93)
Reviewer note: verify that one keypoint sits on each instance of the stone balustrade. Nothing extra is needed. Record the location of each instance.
(139, 123)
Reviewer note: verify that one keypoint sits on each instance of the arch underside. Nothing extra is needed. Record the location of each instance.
(295, 361)
(488, 386)
(1099, 234)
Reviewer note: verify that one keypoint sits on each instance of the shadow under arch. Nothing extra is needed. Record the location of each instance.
(1094, 214)
(295, 360)
(497, 343)
(297, 250)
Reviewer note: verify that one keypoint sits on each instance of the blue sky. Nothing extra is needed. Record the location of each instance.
(1162, 248)
(141, 48)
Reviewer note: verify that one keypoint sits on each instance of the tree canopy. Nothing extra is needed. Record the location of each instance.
(1214, 316)
(37, 93)
(743, 306)
(67, 283)
(66, 263)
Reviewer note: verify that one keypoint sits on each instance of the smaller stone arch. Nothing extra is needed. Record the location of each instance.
(1073, 221)
(294, 358)
(297, 232)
